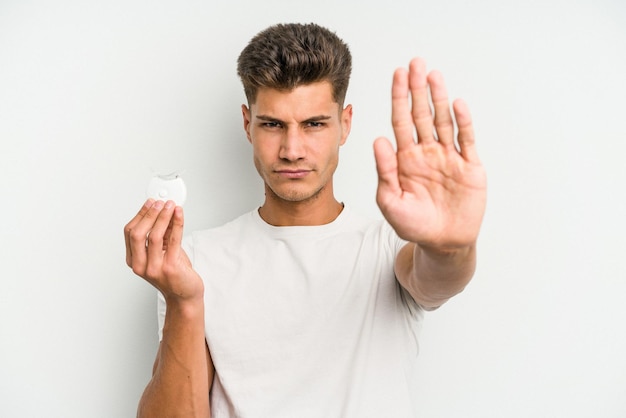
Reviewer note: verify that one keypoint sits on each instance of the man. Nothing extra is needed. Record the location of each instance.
(301, 308)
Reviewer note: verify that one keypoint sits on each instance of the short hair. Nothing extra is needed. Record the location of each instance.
(285, 56)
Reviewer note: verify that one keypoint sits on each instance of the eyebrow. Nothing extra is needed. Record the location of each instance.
(311, 119)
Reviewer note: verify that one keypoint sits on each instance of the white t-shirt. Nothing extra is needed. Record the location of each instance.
(306, 321)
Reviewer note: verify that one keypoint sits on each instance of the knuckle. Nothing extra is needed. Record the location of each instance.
(130, 225)
(137, 270)
(152, 273)
(169, 270)
(154, 239)
(136, 235)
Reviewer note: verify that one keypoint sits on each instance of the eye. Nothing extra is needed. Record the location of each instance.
(271, 125)
(314, 124)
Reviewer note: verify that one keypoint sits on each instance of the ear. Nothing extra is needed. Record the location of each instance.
(346, 123)
(247, 120)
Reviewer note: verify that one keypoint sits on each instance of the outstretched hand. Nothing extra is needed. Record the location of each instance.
(432, 189)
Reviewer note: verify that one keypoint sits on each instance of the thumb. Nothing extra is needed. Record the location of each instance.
(386, 165)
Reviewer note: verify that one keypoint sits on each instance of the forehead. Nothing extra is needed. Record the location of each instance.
(305, 100)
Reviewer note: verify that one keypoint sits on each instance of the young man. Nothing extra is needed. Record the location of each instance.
(301, 308)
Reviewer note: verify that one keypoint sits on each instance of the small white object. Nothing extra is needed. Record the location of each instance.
(167, 187)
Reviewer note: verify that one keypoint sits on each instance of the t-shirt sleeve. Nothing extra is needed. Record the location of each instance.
(396, 243)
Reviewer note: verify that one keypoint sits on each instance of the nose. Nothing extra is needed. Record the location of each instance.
(292, 147)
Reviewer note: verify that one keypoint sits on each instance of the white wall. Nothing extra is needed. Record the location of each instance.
(94, 95)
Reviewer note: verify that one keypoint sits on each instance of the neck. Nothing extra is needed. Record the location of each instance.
(310, 212)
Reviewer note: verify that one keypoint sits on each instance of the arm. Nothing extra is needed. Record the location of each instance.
(183, 370)
(433, 276)
(432, 189)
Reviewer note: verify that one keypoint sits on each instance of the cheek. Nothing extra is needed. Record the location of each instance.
(260, 152)
(331, 158)
(264, 159)
(258, 158)
(261, 169)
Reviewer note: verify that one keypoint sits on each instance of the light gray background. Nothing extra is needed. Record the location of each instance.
(96, 95)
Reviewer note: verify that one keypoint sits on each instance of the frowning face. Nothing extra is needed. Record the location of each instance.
(296, 137)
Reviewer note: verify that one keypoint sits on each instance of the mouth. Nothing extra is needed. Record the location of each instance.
(293, 173)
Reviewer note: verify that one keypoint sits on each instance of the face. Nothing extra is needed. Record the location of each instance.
(296, 137)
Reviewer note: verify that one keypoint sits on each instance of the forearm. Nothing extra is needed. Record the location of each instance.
(433, 276)
(180, 383)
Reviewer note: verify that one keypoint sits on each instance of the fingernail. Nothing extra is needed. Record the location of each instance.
(169, 204)
(158, 204)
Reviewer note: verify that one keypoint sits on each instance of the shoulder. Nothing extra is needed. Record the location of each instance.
(379, 229)
(375, 231)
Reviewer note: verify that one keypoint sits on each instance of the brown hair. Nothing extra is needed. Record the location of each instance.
(285, 56)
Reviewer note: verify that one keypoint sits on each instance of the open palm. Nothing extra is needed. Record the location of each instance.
(431, 190)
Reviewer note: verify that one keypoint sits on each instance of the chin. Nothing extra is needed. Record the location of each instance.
(295, 195)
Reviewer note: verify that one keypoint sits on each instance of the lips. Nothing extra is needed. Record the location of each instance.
(293, 173)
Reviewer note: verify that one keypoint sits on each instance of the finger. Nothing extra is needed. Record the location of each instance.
(444, 125)
(138, 234)
(420, 102)
(466, 138)
(166, 236)
(386, 166)
(168, 232)
(156, 238)
(130, 225)
(175, 236)
(401, 120)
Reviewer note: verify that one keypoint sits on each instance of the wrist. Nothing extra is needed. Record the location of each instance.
(436, 251)
(184, 290)
(188, 307)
